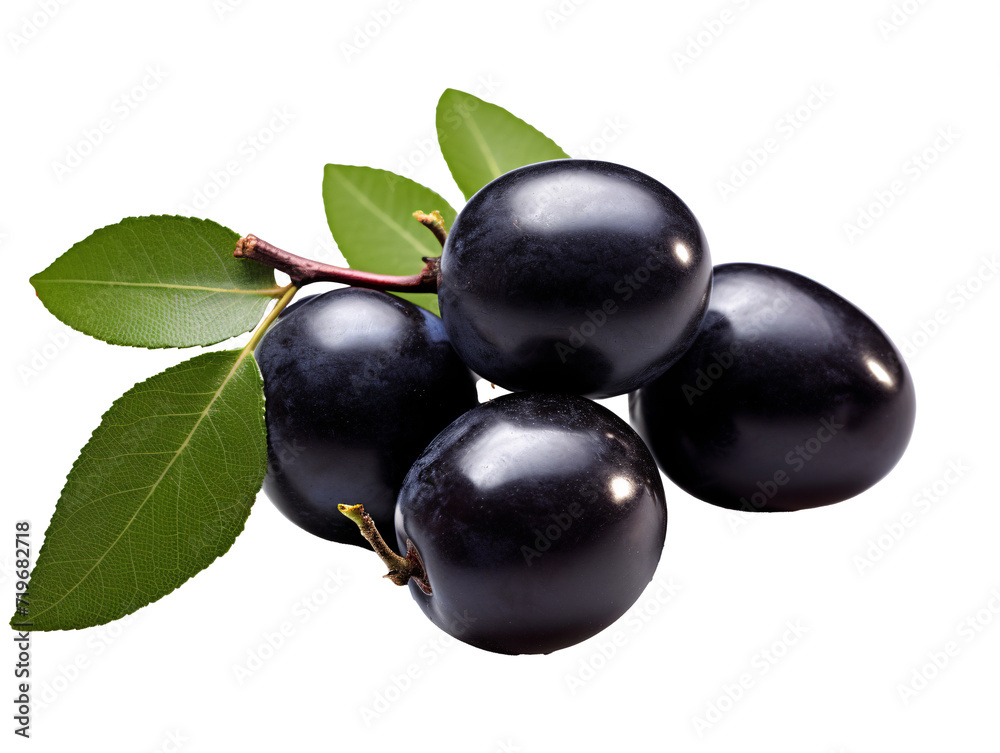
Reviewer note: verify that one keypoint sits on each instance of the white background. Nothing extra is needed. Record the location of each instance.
(603, 79)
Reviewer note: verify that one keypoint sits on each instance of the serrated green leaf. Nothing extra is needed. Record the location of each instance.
(481, 141)
(157, 282)
(370, 213)
(162, 488)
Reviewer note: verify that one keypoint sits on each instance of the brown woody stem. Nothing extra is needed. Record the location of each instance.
(401, 569)
(303, 271)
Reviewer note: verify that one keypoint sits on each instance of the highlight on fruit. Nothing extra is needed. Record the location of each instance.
(520, 525)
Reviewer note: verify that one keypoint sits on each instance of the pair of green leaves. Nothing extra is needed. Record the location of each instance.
(167, 480)
(370, 211)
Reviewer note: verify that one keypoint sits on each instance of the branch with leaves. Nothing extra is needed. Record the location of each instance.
(167, 481)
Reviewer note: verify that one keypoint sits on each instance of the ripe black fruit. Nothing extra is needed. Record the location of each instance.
(789, 398)
(356, 383)
(573, 276)
(538, 519)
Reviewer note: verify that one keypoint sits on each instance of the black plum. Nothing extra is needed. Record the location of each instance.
(357, 383)
(573, 276)
(789, 398)
(298, 303)
(539, 519)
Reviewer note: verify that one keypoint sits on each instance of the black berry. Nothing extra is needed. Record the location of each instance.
(538, 520)
(573, 276)
(789, 398)
(356, 383)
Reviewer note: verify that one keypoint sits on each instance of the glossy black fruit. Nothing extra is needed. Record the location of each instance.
(357, 383)
(789, 398)
(573, 276)
(299, 302)
(539, 519)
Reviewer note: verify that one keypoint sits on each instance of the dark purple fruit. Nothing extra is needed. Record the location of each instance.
(357, 383)
(789, 398)
(573, 276)
(539, 520)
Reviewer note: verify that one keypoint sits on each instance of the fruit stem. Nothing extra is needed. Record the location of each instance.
(305, 271)
(401, 569)
(287, 293)
(435, 223)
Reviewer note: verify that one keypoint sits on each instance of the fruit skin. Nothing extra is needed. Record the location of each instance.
(539, 520)
(356, 384)
(573, 276)
(298, 303)
(789, 398)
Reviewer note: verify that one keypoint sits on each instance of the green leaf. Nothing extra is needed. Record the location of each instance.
(481, 141)
(162, 488)
(370, 213)
(157, 282)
